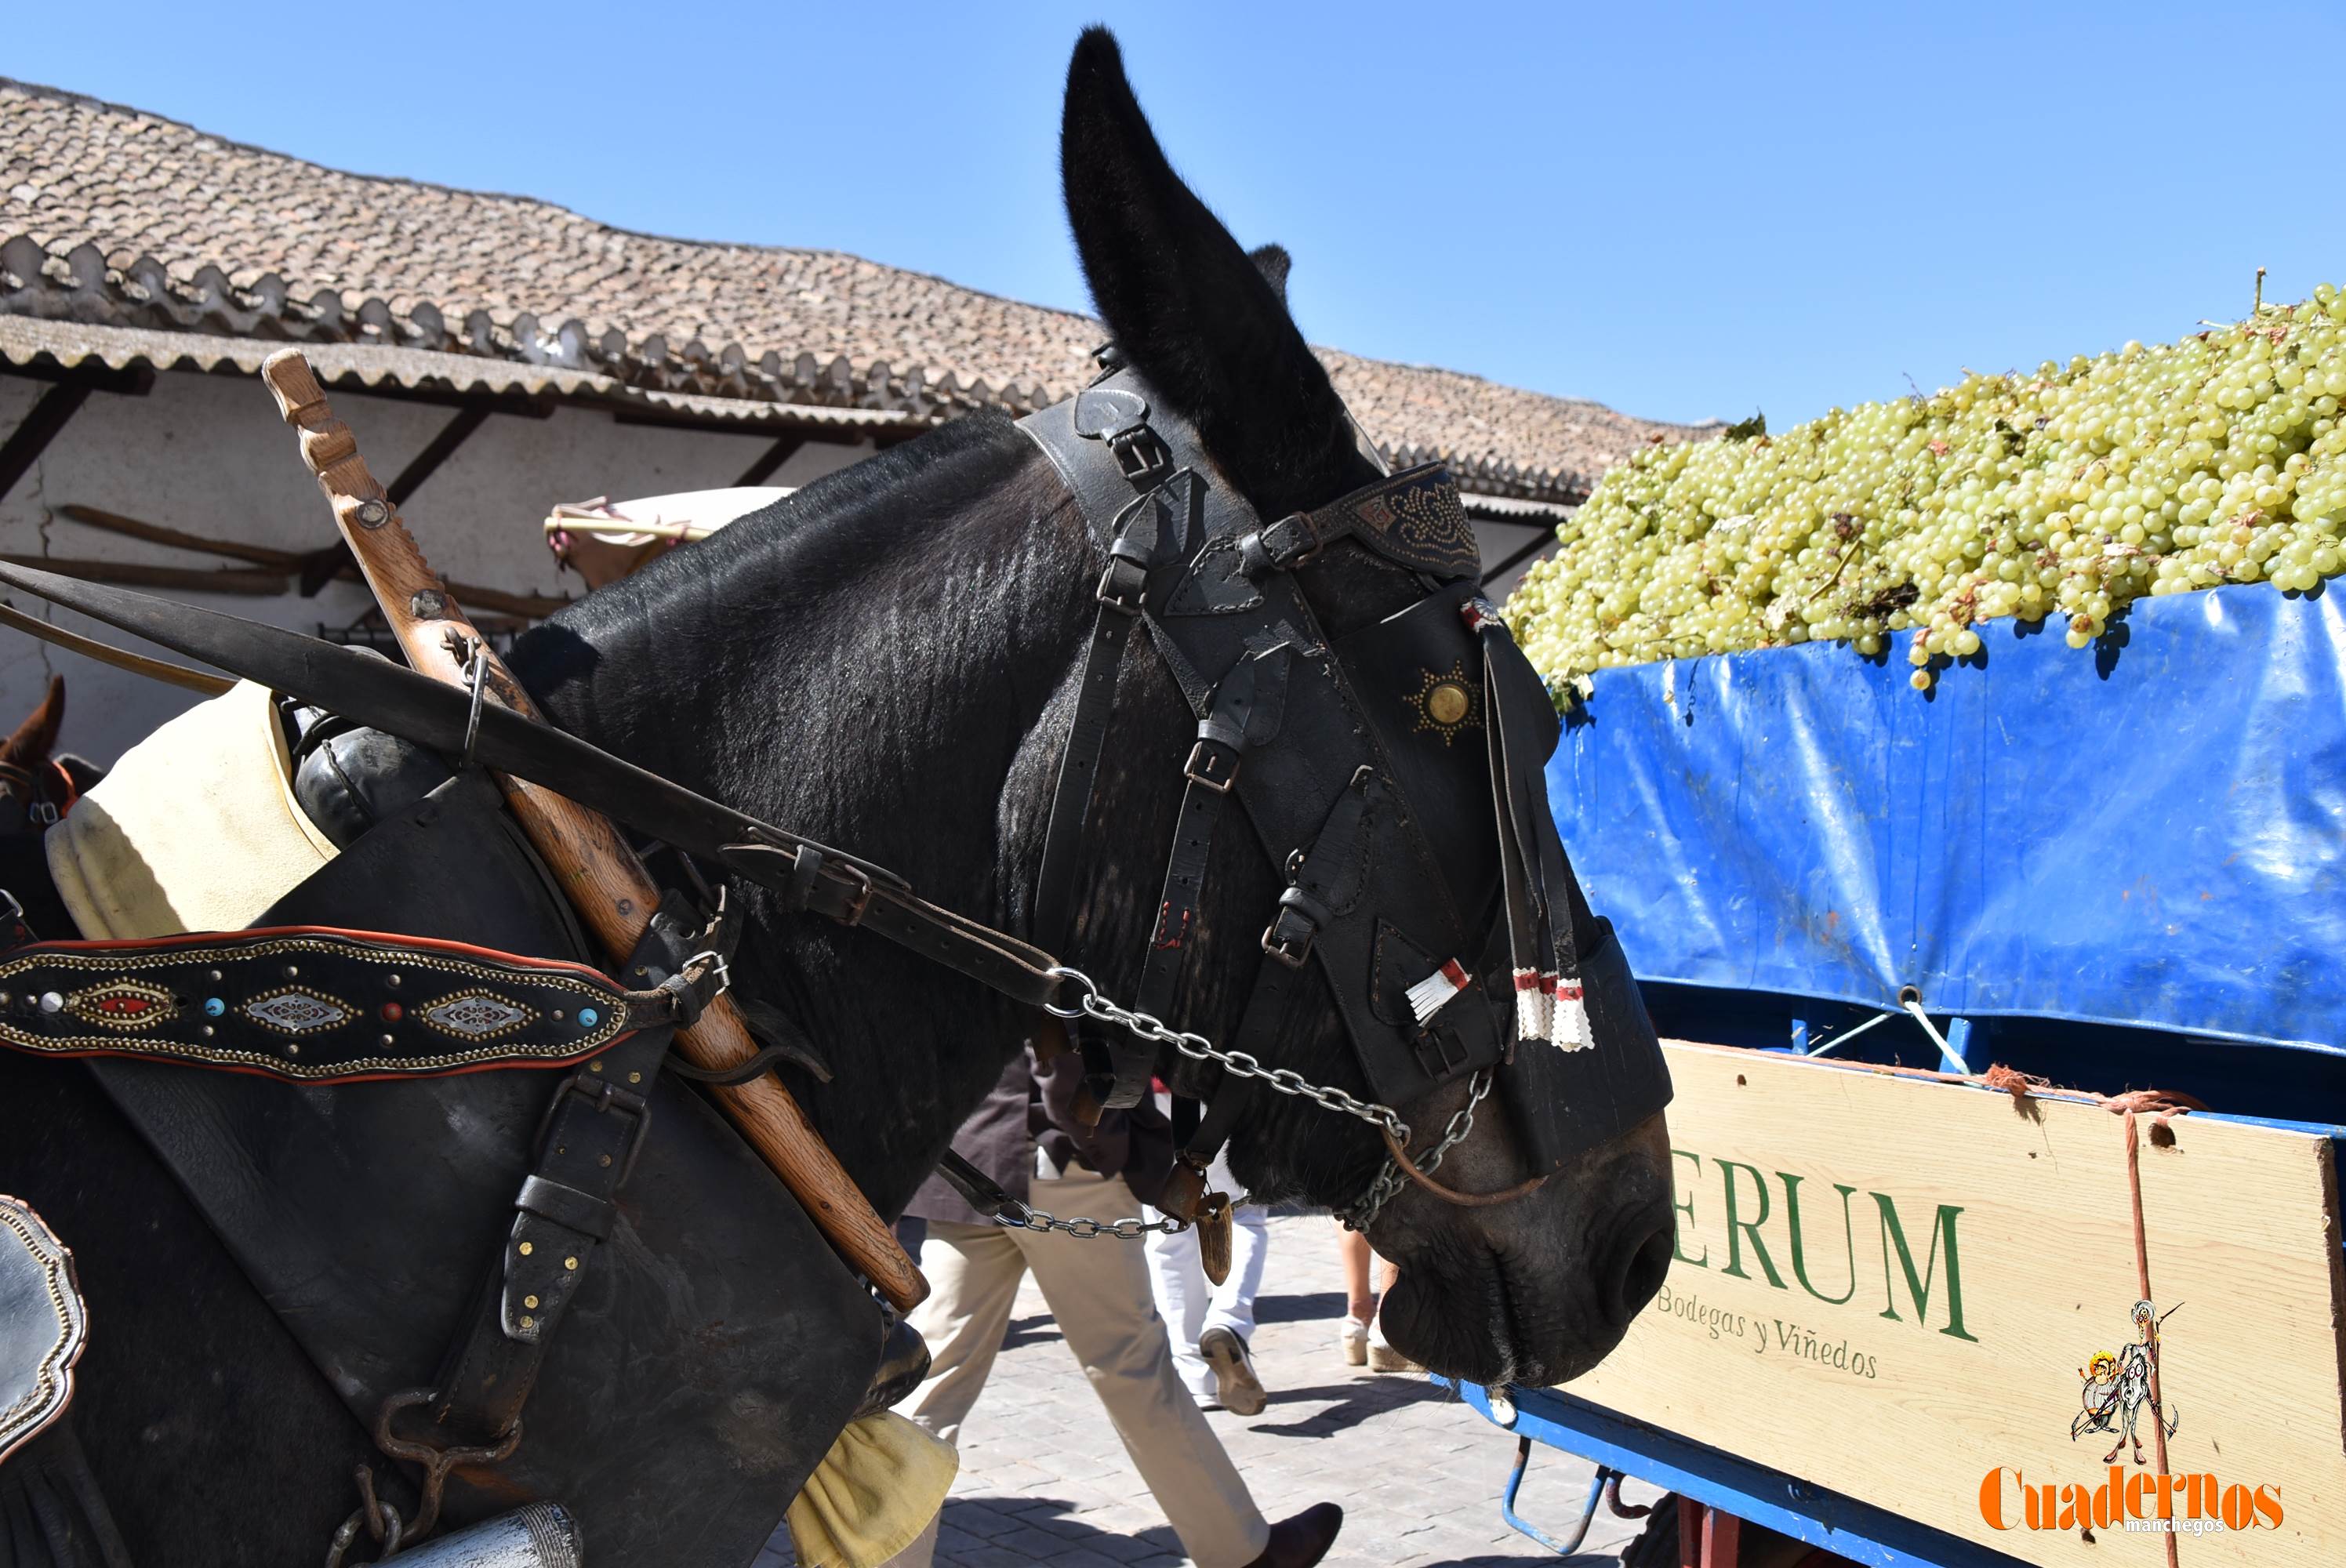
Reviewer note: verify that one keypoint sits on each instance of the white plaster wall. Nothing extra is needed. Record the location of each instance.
(208, 456)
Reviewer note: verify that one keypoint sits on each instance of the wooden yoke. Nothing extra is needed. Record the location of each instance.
(605, 882)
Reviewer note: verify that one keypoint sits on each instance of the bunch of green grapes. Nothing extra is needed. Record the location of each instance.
(2066, 493)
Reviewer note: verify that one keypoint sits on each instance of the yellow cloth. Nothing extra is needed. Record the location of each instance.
(872, 1494)
(195, 829)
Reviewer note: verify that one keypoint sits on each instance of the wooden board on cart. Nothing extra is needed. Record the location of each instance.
(1895, 1287)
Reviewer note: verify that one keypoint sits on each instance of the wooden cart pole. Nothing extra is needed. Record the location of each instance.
(607, 883)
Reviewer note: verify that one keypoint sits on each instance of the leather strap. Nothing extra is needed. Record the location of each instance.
(1247, 710)
(594, 1125)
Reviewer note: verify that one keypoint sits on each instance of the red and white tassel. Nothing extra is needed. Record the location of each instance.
(1428, 995)
(1549, 1007)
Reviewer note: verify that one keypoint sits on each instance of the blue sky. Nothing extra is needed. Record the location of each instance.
(1680, 211)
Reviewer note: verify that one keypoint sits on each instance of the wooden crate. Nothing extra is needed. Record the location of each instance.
(1937, 1336)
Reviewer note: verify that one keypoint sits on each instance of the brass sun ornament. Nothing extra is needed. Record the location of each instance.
(1446, 702)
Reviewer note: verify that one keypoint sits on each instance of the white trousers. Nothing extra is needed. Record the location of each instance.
(1188, 1302)
(1098, 1292)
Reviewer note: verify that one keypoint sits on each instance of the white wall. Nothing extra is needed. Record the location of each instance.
(208, 456)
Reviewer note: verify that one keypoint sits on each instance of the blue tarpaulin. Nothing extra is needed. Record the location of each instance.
(2150, 831)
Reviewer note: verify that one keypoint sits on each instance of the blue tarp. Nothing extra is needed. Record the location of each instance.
(2152, 833)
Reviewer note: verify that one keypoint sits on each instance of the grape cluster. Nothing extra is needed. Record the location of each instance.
(2066, 493)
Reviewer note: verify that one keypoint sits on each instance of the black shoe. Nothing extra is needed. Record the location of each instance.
(1303, 1540)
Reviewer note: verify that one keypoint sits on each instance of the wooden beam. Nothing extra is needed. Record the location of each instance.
(131, 381)
(145, 575)
(782, 452)
(437, 451)
(37, 430)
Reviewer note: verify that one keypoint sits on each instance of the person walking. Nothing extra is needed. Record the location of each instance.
(1212, 1325)
(1361, 1336)
(1027, 1138)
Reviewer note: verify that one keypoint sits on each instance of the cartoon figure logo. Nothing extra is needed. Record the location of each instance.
(2117, 1387)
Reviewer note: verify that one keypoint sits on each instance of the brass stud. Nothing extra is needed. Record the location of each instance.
(570, 1263)
(594, 1066)
(1448, 703)
(292, 971)
(528, 1321)
(390, 980)
(604, 1160)
(557, 1016)
(525, 1249)
(217, 977)
(292, 1048)
(635, 1077)
(529, 1300)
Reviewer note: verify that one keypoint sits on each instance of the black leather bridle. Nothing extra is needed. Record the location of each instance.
(1350, 756)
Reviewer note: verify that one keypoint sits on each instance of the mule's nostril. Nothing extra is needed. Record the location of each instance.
(1640, 1274)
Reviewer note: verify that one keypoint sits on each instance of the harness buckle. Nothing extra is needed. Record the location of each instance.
(1439, 1051)
(1121, 587)
(1214, 765)
(853, 914)
(1292, 951)
(1141, 453)
(606, 1097)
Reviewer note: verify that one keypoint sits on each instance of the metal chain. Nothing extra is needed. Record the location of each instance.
(1285, 1080)
(1197, 1048)
(1389, 1179)
(1026, 1218)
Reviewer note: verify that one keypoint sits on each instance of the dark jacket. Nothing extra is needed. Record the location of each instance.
(1034, 1106)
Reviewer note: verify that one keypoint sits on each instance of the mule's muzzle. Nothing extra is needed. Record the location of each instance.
(1633, 1269)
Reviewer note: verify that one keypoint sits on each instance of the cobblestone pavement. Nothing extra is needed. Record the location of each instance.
(1043, 1479)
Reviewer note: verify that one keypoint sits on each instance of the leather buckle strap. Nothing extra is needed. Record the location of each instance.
(1212, 766)
(1121, 585)
(1141, 454)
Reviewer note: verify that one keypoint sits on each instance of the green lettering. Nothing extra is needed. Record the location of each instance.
(1678, 1232)
(1848, 1232)
(1734, 1241)
(1893, 1234)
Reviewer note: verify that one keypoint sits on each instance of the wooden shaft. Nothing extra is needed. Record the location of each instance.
(605, 882)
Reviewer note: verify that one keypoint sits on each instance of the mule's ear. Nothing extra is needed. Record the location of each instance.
(1192, 312)
(1274, 263)
(30, 746)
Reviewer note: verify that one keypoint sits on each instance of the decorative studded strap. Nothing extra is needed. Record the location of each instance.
(315, 1004)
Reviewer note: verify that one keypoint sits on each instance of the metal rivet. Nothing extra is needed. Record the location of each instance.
(557, 1016)
(217, 977)
(292, 1048)
(5, 1000)
(51, 1002)
(528, 1321)
(390, 980)
(428, 605)
(635, 1077)
(569, 1263)
(214, 1007)
(525, 1250)
(529, 1300)
(370, 512)
(387, 1041)
(594, 1066)
(292, 971)
(208, 1031)
(604, 1160)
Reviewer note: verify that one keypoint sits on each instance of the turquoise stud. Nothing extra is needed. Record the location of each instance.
(588, 1018)
(214, 1007)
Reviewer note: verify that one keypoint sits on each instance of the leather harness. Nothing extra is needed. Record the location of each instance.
(1342, 752)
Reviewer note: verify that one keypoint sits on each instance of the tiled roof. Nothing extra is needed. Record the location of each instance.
(113, 218)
